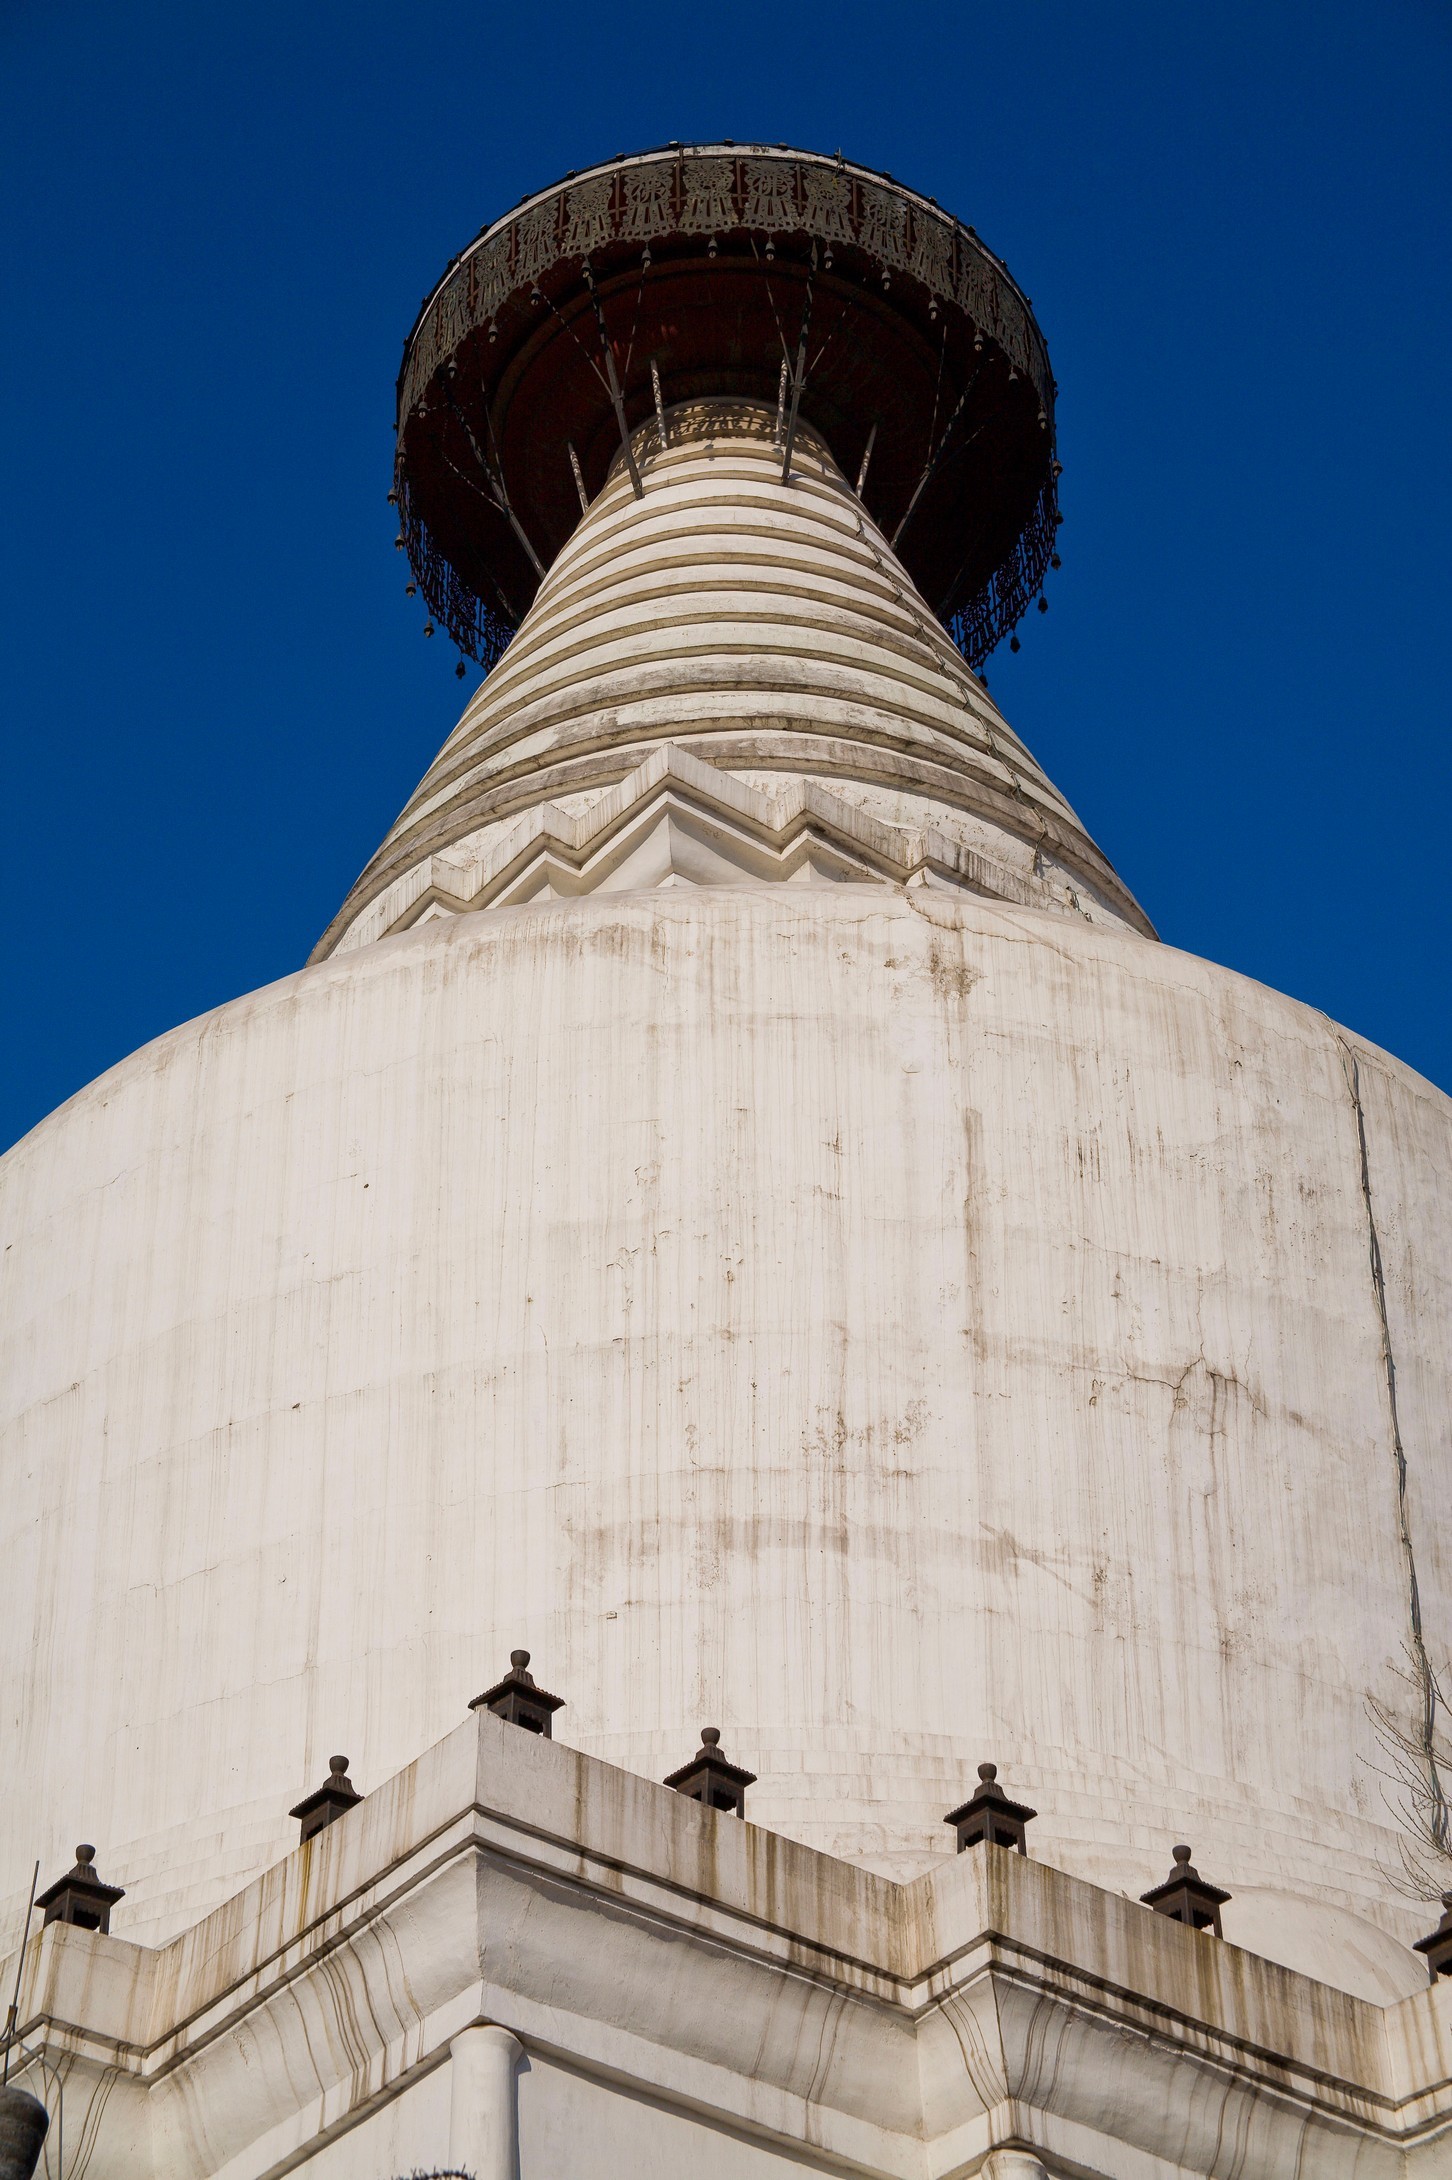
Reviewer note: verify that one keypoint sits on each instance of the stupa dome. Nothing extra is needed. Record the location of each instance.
(740, 1203)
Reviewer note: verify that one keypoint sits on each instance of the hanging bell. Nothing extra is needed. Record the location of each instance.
(428, 628)
(1013, 375)
(770, 249)
(977, 343)
(711, 247)
(459, 671)
(1055, 561)
(410, 590)
(1043, 605)
(1014, 644)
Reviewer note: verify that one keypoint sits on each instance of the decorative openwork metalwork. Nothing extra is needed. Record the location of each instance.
(750, 271)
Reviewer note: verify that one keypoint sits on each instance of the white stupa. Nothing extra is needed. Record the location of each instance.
(741, 1205)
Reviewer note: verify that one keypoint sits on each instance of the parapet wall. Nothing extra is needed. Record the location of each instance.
(520, 1963)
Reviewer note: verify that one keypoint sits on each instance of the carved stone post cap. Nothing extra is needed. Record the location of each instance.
(518, 1699)
(989, 1815)
(1437, 1945)
(333, 1799)
(1185, 1897)
(710, 1779)
(81, 1897)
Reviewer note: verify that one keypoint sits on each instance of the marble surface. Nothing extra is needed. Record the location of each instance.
(516, 1961)
(896, 1327)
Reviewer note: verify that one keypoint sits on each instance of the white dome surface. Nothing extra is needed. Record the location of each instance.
(898, 1327)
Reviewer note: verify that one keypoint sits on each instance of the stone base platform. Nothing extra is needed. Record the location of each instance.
(520, 1963)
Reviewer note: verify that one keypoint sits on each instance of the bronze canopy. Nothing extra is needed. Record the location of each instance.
(780, 276)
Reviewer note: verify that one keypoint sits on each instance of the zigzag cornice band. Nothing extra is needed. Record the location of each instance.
(737, 834)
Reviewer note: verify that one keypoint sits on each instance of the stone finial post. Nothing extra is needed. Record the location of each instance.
(333, 1799)
(80, 1897)
(519, 1700)
(990, 1815)
(1186, 1898)
(710, 1779)
(1437, 1945)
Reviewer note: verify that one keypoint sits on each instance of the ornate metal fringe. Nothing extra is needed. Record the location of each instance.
(1011, 589)
(480, 630)
(691, 193)
(713, 193)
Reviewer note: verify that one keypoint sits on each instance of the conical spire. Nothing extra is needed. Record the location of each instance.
(730, 640)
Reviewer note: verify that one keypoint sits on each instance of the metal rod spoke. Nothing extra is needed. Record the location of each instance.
(639, 298)
(866, 459)
(616, 397)
(495, 477)
(935, 456)
(12, 2018)
(800, 375)
(776, 314)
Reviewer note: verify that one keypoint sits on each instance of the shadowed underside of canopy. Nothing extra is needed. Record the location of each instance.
(831, 293)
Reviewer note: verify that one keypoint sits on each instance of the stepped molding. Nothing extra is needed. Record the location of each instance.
(766, 624)
(677, 821)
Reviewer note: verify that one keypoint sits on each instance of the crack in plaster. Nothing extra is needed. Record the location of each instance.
(1442, 1817)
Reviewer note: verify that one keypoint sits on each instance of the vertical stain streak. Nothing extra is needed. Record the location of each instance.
(1426, 1680)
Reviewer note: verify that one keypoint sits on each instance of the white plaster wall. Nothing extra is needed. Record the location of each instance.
(574, 2128)
(407, 2134)
(898, 1329)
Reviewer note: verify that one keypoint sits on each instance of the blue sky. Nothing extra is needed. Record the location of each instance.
(218, 223)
